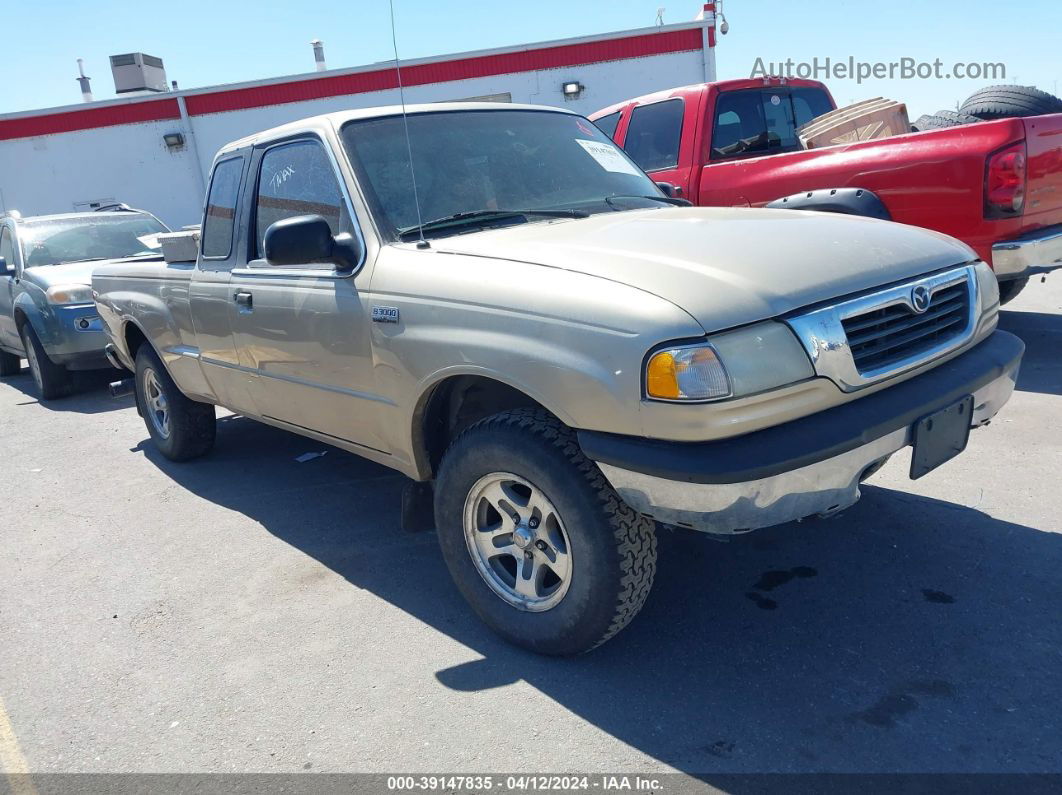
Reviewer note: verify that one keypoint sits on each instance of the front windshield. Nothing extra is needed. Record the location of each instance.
(473, 161)
(107, 236)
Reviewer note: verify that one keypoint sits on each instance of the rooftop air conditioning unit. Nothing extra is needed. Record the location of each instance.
(136, 71)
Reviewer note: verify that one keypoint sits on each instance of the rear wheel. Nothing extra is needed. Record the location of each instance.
(180, 427)
(1009, 289)
(53, 380)
(538, 542)
(10, 364)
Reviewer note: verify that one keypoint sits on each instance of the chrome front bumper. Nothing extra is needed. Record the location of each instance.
(1011, 259)
(819, 488)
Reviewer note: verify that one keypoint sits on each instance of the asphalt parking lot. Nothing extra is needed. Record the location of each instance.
(248, 612)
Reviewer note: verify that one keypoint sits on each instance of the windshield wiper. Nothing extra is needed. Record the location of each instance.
(475, 217)
(665, 199)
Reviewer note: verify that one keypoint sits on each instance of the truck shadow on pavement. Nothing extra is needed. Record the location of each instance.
(1041, 367)
(907, 634)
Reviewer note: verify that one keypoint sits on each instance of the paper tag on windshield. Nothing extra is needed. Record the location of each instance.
(608, 157)
(151, 241)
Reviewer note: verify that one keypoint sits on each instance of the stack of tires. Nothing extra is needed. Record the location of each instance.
(993, 102)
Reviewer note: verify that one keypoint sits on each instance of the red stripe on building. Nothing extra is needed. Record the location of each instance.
(89, 118)
(565, 55)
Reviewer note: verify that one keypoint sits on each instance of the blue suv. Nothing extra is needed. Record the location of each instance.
(47, 314)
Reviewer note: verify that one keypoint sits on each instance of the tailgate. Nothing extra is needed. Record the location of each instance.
(1043, 193)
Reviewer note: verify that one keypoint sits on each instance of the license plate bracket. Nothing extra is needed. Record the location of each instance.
(940, 436)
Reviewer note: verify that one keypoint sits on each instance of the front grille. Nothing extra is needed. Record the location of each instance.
(883, 337)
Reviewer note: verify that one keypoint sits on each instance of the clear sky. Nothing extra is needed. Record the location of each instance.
(206, 42)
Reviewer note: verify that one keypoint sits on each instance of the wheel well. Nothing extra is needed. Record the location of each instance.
(847, 201)
(455, 404)
(20, 320)
(134, 338)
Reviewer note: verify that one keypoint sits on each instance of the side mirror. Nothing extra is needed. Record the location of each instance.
(304, 239)
(6, 268)
(669, 190)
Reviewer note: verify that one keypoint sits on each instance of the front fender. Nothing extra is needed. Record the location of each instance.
(122, 309)
(572, 342)
(544, 398)
(38, 314)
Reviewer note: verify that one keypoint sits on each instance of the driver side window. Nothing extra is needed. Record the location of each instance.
(752, 122)
(298, 179)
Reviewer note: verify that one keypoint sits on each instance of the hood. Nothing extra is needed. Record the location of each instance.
(725, 266)
(71, 272)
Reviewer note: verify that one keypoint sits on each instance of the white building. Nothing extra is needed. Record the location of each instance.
(155, 151)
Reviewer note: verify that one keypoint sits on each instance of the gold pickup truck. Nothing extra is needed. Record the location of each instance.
(500, 305)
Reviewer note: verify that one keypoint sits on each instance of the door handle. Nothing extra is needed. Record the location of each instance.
(244, 299)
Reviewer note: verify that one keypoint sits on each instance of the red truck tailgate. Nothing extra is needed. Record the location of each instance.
(1043, 192)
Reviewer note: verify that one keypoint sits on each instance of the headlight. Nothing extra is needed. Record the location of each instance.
(691, 372)
(69, 294)
(987, 285)
(733, 364)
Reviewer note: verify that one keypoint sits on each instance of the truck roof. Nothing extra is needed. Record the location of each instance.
(339, 118)
(738, 84)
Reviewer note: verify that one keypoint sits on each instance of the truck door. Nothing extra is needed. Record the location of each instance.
(654, 141)
(209, 292)
(8, 333)
(305, 330)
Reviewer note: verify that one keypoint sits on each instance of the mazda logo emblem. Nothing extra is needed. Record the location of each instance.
(920, 298)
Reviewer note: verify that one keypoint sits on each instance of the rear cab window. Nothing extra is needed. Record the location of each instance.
(654, 134)
(220, 216)
(762, 121)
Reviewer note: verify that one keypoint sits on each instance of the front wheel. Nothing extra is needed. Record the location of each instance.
(53, 380)
(538, 542)
(180, 427)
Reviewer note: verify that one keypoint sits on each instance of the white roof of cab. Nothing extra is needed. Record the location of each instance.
(339, 118)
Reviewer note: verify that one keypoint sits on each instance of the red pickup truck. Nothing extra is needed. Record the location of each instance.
(996, 185)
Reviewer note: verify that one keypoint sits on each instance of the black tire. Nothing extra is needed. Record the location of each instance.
(1009, 289)
(1006, 102)
(186, 428)
(942, 119)
(53, 380)
(10, 364)
(613, 549)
